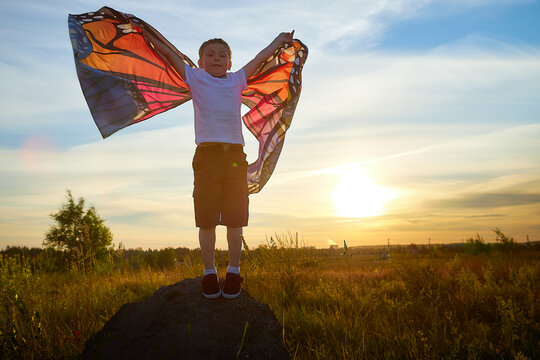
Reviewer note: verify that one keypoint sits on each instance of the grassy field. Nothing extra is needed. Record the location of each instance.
(420, 303)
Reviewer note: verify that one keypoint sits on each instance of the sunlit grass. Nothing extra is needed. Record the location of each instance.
(436, 304)
(51, 315)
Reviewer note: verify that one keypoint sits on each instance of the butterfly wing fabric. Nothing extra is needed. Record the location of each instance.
(122, 78)
(125, 81)
(272, 95)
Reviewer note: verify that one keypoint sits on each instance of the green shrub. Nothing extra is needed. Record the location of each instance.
(476, 245)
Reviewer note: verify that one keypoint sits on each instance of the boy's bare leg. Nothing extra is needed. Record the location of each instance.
(234, 238)
(207, 241)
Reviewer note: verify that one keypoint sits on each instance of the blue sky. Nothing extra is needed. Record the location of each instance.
(514, 22)
(427, 112)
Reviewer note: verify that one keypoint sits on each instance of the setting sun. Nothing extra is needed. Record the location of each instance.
(357, 195)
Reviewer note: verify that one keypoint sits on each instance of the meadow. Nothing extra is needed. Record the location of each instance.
(408, 302)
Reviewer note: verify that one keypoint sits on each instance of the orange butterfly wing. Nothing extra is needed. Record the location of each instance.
(272, 95)
(123, 79)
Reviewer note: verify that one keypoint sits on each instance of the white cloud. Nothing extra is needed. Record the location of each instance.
(444, 85)
(458, 119)
(143, 176)
(38, 93)
(146, 175)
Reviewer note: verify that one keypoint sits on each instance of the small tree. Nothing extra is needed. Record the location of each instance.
(81, 236)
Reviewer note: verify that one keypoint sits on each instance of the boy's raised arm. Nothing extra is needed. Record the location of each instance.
(169, 55)
(253, 65)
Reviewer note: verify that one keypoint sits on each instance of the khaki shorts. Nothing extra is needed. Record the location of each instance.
(220, 193)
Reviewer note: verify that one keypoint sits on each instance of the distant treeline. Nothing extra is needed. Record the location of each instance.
(51, 260)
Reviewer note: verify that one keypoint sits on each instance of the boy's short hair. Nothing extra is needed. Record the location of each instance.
(214, 41)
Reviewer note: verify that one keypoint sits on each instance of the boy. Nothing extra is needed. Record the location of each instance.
(219, 164)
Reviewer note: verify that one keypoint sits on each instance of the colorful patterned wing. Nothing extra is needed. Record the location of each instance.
(272, 94)
(123, 79)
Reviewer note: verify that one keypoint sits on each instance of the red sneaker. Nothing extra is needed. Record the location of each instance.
(232, 289)
(210, 286)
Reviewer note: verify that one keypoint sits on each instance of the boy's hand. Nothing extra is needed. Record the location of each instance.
(284, 38)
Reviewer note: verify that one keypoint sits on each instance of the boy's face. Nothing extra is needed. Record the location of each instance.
(215, 60)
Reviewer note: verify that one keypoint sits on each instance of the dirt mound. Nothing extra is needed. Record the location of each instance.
(177, 322)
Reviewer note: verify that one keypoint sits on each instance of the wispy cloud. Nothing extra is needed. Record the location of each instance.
(443, 85)
(490, 200)
(453, 130)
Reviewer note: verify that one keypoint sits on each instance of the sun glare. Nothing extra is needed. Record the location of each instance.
(358, 196)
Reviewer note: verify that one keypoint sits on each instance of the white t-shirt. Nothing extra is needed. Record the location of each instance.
(217, 103)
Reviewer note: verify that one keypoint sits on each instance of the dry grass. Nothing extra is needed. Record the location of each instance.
(445, 305)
